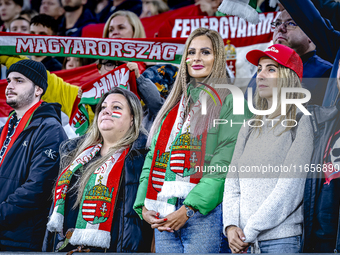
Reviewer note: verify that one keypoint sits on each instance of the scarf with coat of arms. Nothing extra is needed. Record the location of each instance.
(94, 221)
(172, 173)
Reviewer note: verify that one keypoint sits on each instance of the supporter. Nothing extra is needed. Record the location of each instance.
(45, 25)
(52, 8)
(31, 136)
(115, 147)
(9, 10)
(182, 200)
(264, 209)
(73, 62)
(28, 14)
(75, 18)
(315, 69)
(153, 7)
(113, 6)
(322, 207)
(20, 25)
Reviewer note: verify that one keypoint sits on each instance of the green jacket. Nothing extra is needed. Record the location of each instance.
(221, 140)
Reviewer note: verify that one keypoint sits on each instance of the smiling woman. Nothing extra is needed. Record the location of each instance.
(101, 170)
(172, 196)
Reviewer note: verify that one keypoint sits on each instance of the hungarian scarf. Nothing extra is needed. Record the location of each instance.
(94, 221)
(172, 173)
(7, 142)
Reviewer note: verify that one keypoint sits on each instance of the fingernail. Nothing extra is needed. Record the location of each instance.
(157, 214)
(157, 218)
(165, 219)
(243, 238)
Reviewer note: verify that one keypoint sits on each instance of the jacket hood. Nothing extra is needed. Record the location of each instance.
(48, 110)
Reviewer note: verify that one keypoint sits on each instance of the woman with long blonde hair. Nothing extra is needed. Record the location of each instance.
(263, 193)
(95, 191)
(177, 195)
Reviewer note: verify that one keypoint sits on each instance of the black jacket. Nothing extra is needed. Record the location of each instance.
(128, 233)
(321, 199)
(26, 177)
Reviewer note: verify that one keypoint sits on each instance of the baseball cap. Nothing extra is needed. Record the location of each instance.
(281, 54)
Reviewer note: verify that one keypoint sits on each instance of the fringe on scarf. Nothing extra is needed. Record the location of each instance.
(91, 237)
(56, 222)
(162, 207)
(175, 189)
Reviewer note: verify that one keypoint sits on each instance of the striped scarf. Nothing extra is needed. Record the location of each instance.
(172, 173)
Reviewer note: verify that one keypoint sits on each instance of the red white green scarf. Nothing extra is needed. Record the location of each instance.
(96, 209)
(176, 154)
(24, 122)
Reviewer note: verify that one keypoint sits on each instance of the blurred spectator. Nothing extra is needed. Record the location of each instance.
(288, 33)
(123, 24)
(153, 7)
(113, 6)
(20, 25)
(52, 8)
(28, 14)
(45, 25)
(9, 10)
(75, 18)
(31, 135)
(73, 62)
(208, 6)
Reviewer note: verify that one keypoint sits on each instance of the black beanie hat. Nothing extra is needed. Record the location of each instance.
(33, 70)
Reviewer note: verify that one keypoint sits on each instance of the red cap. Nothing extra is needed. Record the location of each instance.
(281, 54)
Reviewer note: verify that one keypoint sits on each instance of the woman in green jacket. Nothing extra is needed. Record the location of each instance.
(181, 186)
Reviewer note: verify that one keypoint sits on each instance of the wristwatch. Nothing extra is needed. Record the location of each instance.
(190, 212)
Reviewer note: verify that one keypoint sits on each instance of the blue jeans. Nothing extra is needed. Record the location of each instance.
(200, 234)
(281, 245)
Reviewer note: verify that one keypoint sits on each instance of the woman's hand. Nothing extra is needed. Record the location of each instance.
(175, 220)
(151, 217)
(235, 239)
(133, 67)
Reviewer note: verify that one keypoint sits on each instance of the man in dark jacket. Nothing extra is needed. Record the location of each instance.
(75, 18)
(315, 69)
(29, 158)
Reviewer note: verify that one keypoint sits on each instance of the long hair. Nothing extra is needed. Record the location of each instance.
(94, 137)
(217, 75)
(287, 79)
(137, 26)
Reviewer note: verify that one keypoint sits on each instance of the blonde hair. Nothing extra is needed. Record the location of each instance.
(287, 79)
(217, 75)
(94, 137)
(137, 26)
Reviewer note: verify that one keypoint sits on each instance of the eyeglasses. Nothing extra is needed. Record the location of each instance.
(289, 25)
(110, 65)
